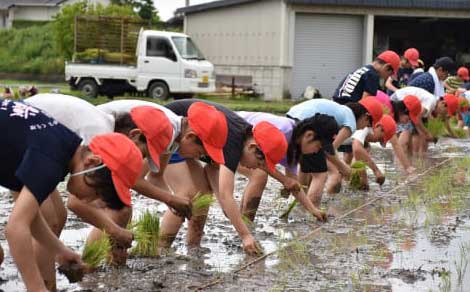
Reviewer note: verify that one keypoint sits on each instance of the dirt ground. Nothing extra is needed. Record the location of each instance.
(416, 238)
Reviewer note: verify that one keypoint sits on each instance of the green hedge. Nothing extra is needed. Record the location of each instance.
(30, 50)
(28, 23)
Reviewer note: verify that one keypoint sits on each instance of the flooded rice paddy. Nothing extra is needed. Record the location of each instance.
(408, 235)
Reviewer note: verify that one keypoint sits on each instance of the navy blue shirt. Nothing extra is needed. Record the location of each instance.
(424, 81)
(353, 86)
(237, 129)
(403, 77)
(35, 150)
(466, 85)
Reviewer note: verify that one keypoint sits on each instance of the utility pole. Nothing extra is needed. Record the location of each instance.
(187, 3)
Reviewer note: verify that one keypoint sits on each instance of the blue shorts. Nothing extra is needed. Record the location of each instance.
(466, 118)
(176, 158)
(405, 127)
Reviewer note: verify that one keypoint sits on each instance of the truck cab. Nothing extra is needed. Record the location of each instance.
(176, 60)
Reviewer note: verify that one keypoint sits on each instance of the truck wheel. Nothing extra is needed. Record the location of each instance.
(88, 88)
(158, 90)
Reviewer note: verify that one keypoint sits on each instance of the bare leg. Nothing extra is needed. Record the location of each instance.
(253, 191)
(347, 157)
(405, 141)
(186, 179)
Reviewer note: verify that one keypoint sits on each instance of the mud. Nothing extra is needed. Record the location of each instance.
(410, 241)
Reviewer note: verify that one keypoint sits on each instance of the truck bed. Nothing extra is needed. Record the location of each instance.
(100, 71)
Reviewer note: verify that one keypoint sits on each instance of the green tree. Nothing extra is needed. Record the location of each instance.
(64, 21)
(145, 8)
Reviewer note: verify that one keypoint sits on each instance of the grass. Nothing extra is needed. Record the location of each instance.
(96, 253)
(201, 204)
(146, 234)
(462, 265)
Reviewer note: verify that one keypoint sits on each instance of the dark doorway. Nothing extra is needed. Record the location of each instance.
(433, 37)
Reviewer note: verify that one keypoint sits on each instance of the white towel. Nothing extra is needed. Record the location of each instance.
(439, 89)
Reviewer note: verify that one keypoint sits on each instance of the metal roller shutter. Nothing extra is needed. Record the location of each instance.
(326, 48)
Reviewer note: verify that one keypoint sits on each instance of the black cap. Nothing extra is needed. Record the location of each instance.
(445, 63)
(325, 128)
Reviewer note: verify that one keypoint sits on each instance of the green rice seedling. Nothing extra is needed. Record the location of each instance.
(201, 203)
(146, 234)
(247, 221)
(97, 252)
(460, 133)
(359, 176)
(436, 127)
(291, 207)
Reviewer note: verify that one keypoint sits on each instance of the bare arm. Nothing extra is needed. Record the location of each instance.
(343, 134)
(97, 218)
(366, 94)
(293, 185)
(343, 168)
(449, 128)
(360, 153)
(25, 222)
(389, 85)
(181, 205)
(229, 206)
(400, 153)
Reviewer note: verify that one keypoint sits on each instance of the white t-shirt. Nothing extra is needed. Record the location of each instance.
(75, 113)
(360, 135)
(126, 105)
(428, 100)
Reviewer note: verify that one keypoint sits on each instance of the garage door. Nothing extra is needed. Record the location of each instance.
(326, 48)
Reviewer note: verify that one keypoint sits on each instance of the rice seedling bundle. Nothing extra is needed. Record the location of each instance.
(146, 234)
(359, 176)
(201, 203)
(436, 127)
(97, 252)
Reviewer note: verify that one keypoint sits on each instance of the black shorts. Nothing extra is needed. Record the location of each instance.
(313, 163)
(425, 123)
(345, 148)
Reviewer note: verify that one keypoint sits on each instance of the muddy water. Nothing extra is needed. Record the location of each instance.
(407, 241)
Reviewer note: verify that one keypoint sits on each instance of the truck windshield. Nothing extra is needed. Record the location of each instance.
(187, 48)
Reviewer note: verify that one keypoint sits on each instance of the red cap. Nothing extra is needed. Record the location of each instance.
(389, 126)
(463, 104)
(157, 130)
(462, 72)
(413, 104)
(122, 158)
(374, 108)
(210, 125)
(452, 103)
(272, 142)
(412, 55)
(392, 58)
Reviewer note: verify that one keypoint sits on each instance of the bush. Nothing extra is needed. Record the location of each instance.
(30, 50)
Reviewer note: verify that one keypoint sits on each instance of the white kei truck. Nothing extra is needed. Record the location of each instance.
(157, 64)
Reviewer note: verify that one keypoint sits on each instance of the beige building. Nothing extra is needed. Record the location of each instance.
(283, 46)
(33, 10)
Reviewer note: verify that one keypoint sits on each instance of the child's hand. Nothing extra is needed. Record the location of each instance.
(67, 256)
(123, 237)
(321, 215)
(251, 246)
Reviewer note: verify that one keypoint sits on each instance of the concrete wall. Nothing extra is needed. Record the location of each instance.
(39, 13)
(270, 81)
(244, 40)
(239, 35)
